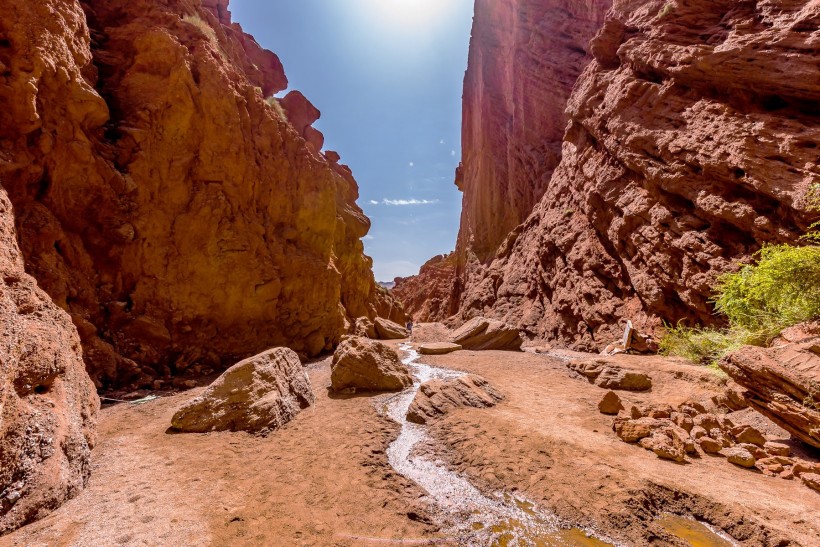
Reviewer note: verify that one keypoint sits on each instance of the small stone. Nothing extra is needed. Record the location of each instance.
(777, 449)
(697, 432)
(739, 456)
(748, 434)
(709, 445)
(610, 404)
(631, 431)
(685, 421)
(438, 348)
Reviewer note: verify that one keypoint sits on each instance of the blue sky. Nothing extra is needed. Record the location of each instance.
(387, 76)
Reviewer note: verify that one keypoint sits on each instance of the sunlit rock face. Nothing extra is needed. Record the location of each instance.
(525, 56)
(692, 140)
(173, 211)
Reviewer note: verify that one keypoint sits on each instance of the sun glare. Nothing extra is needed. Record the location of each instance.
(408, 12)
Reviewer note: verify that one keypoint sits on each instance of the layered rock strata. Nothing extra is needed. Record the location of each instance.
(263, 392)
(47, 402)
(181, 215)
(692, 141)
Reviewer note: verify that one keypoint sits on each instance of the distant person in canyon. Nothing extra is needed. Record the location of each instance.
(409, 326)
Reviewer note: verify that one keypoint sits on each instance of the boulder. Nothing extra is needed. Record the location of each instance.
(487, 334)
(606, 375)
(709, 445)
(747, 434)
(777, 449)
(438, 348)
(610, 404)
(263, 392)
(665, 446)
(360, 364)
(436, 398)
(812, 480)
(783, 384)
(364, 327)
(388, 330)
(48, 405)
(633, 430)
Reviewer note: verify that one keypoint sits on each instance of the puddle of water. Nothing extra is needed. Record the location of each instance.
(501, 520)
(696, 534)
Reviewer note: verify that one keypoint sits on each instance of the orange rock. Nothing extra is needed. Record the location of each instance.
(162, 201)
(48, 405)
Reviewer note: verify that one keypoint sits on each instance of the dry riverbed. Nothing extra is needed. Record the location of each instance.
(325, 478)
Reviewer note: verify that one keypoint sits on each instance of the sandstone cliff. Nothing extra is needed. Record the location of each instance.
(183, 217)
(47, 403)
(692, 140)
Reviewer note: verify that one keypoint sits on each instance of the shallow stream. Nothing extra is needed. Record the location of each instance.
(499, 519)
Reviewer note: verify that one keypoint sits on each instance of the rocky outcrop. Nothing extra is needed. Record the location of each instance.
(360, 365)
(608, 375)
(388, 330)
(436, 398)
(47, 402)
(783, 384)
(181, 215)
(487, 334)
(432, 294)
(261, 393)
(692, 140)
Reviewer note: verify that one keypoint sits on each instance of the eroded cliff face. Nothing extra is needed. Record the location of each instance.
(47, 402)
(525, 56)
(693, 140)
(163, 199)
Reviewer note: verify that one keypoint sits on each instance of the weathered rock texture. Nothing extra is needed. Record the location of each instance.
(179, 217)
(692, 140)
(437, 398)
(262, 392)
(47, 402)
(783, 384)
(360, 364)
(388, 330)
(487, 334)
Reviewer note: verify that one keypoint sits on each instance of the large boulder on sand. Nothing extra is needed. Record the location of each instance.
(436, 398)
(364, 327)
(438, 348)
(487, 334)
(783, 384)
(388, 330)
(263, 392)
(360, 364)
(48, 405)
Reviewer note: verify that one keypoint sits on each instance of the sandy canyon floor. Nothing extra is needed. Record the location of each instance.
(325, 478)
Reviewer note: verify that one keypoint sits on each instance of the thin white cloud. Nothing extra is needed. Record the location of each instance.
(403, 202)
(412, 164)
(373, 202)
(368, 237)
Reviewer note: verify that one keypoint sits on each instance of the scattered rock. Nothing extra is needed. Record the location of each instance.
(263, 392)
(617, 378)
(438, 348)
(777, 449)
(633, 430)
(487, 334)
(665, 446)
(812, 480)
(360, 364)
(783, 385)
(747, 434)
(438, 397)
(739, 456)
(610, 404)
(709, 445)
(388, 330)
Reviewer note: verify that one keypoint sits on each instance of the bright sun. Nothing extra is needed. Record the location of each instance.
(408, 12)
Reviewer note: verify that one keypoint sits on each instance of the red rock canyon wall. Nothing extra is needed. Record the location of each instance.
(693, 139)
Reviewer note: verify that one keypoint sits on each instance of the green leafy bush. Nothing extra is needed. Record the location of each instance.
(760, 300)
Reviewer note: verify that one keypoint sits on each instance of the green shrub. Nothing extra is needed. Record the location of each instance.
(760, 300)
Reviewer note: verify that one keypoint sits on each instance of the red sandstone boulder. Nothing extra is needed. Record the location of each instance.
(388, 330)
(783, 385)
(437, 398)
(360, 364)
(438, 348)
(263, 392)
(48, 406)
(487, 334)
